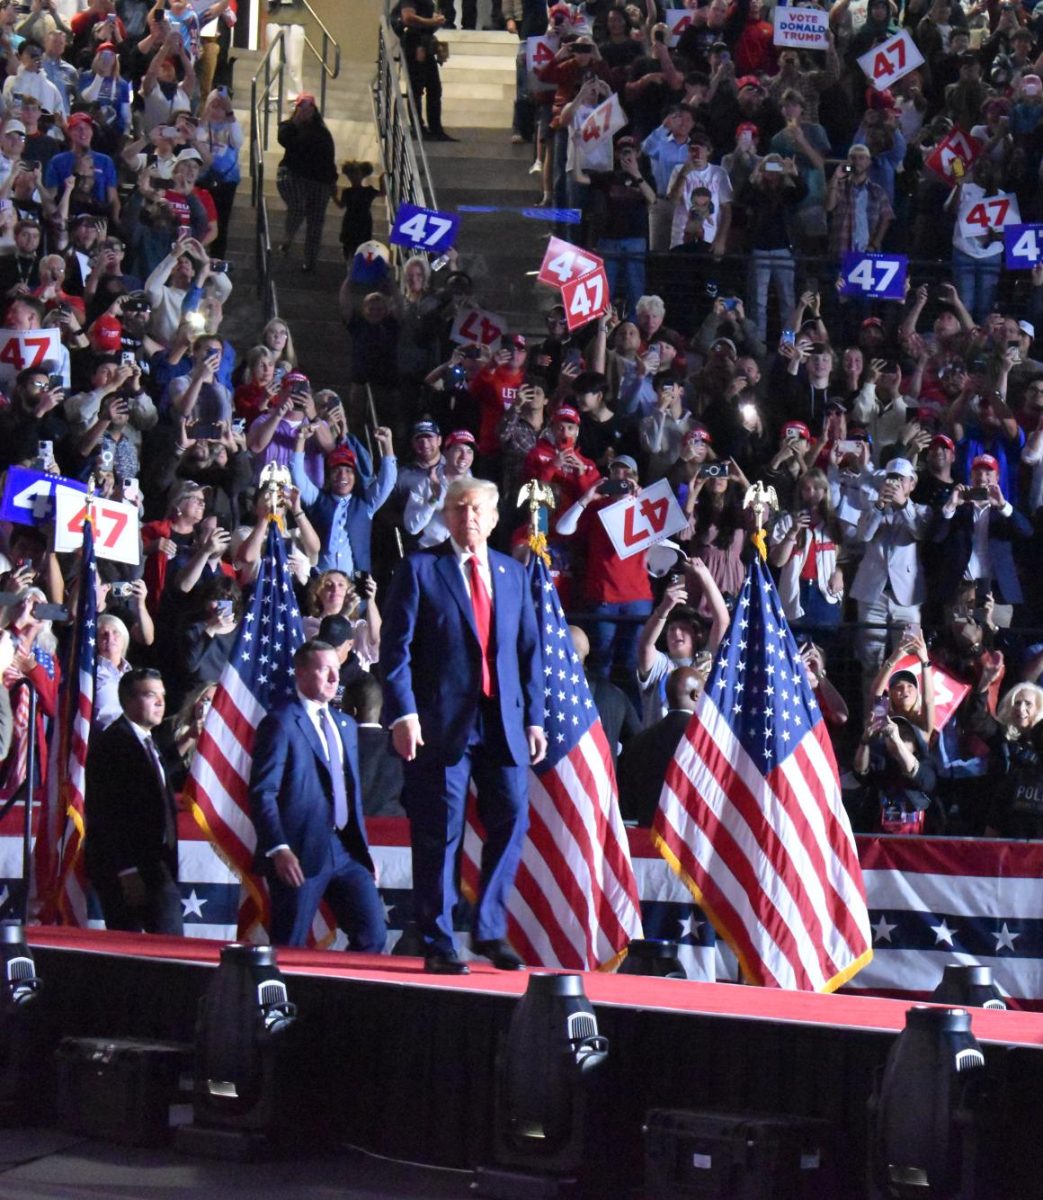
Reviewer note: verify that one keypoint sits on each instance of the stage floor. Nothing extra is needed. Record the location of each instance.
(45, 1164)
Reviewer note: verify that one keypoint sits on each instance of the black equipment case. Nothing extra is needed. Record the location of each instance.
(119, 1088)
(736, 1156)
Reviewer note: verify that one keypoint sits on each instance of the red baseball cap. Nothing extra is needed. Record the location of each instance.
(566, 413)
(941, 439)
(799, 426)
(106, 335)
(459, 437)
(748, 81)
(698, 435)
(986, 461)
(341, 456)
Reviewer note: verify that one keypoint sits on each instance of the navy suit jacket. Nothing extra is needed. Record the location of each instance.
(291, 789)
(956, 537)
(431, 659)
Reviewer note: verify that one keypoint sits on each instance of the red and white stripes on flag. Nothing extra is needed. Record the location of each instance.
(575, 903)
(258, 675)
(750, 815)
(76, 711)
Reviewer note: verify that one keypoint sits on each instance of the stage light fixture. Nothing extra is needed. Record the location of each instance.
(244, 1020)
(926, 1111)
(548, 1073)
(968, 987)
(23, 1055)
(652, 956)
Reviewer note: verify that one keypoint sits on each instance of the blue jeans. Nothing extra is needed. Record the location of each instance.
(769, 266)
(626, 256)
(976, 281)
(614, 643)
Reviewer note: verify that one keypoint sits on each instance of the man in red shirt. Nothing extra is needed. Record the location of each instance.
(557, 461)
(611, 586)
(496, 388)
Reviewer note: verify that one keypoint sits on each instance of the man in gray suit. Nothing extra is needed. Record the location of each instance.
(889, 584)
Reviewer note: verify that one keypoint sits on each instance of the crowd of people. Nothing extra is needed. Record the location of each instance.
(903, 439)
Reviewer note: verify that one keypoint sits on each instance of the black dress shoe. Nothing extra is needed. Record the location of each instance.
(445, 962)
(499, 954)
(439, 135)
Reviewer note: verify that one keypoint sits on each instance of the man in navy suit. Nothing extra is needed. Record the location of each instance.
(306, 804)
(463, 695)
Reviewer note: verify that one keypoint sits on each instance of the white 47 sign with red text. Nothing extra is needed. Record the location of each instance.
(885, 64)
(988, 213)
(115, 526)
(637, 522)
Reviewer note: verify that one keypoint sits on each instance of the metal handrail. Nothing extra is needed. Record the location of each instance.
(327, 40)
(260, 107)
(406, 173)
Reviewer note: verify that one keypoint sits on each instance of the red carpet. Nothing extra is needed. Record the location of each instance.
(622, 991)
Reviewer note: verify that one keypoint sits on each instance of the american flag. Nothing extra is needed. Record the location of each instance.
(258, 676)
(575, 902)
(66, 784)
(750, 815)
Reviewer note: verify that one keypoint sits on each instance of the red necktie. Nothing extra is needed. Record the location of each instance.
(483, 611)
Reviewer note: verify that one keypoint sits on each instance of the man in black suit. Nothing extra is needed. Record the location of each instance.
(618, 717)
(131, 843)
(648, 754)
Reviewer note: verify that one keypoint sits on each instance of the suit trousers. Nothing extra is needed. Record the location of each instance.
(161, 912)
(435, 799)
(347, 887)
(871, 643)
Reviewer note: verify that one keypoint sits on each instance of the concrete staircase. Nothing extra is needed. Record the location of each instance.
(501, 250)
(478, 79)
(308, 303)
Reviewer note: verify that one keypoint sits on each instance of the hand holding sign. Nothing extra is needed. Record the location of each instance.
(881, 276)
(637, 522)
(892, 60)
(424, 228)
(563, 263)
(978, 217)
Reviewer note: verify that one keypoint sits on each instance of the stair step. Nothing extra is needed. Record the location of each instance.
(488, 64)
(480, 114)
(488, 43)
(467, 90)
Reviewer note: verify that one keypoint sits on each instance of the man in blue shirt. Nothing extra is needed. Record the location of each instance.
(342, 513)
(666, 147)
(80, 128)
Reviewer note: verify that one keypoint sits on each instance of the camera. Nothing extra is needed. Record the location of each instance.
(121, 591)
(127, 358)
(730, 304)
(977, 493)
(238, 426)
(219, 266)
(457, 375)
(615, 487)
(789, 337)
(360, 580)
(716, 470)
(223, 608)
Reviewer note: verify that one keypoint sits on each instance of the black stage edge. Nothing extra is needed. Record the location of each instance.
(407, 1072)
